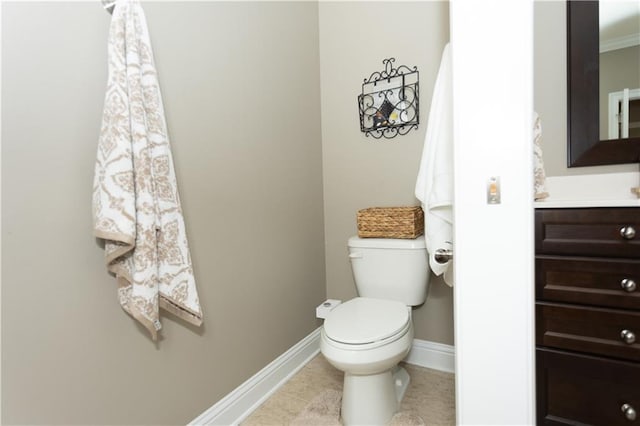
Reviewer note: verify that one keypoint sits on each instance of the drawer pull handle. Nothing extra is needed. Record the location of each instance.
(629, 412)
(628, 232)
(628, 336)
(628, 285)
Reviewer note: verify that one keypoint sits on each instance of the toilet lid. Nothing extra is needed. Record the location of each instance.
(363, 320)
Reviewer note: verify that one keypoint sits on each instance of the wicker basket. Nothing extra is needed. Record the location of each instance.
(391, 222)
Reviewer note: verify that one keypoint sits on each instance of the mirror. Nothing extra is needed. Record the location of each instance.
(585, 146)
(619, 29)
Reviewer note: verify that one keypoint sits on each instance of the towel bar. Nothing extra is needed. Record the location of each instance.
(443, 255)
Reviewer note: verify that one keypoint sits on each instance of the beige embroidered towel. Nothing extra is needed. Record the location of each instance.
(136, 206)
(539, 176)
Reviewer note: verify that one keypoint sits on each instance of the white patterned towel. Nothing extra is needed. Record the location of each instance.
(136, 206)
(539, 176)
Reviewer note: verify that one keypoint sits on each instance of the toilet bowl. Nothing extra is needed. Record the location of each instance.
(366, 337)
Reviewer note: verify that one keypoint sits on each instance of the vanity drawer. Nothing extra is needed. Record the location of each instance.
(608, 332)
(589, 232)
(581, 389)
(590, 281)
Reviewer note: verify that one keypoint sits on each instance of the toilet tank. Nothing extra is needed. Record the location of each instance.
(387, 268)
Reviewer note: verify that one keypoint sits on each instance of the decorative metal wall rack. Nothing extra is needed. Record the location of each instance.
(389, 101)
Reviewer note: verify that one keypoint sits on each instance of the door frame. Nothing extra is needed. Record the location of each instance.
(492, 59)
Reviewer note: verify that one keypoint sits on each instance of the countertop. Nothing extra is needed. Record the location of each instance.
(595, 190)
(566, 204)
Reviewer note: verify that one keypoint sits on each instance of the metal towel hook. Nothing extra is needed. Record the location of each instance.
(108, 5)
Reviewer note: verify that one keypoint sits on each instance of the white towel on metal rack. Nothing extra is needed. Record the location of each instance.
(136, 205)
(434, 186)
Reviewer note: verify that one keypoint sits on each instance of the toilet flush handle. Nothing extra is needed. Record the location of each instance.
(355, 255)
(443, 255)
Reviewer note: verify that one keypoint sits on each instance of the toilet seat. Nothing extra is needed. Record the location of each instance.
(367, 321)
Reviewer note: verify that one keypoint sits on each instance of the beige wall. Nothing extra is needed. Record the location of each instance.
(241, 88)
(550, 90)
(360, 171)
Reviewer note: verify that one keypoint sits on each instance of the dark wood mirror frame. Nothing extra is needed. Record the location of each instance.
(584, 147)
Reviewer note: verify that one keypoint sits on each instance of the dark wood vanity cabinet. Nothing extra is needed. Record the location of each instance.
(588, 316)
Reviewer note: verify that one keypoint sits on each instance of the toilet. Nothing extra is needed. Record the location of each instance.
(366, 337)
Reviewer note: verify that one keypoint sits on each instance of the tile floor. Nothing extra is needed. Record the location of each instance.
(430, 394)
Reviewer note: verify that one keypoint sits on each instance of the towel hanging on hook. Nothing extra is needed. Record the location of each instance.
(136, 206)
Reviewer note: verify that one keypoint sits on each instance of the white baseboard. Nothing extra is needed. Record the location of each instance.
(436, 356)
(241, 402)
